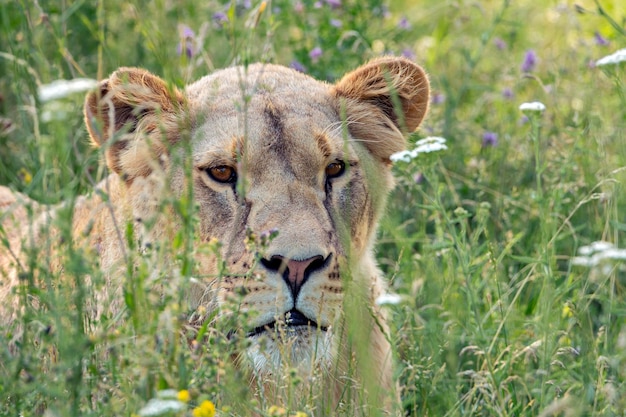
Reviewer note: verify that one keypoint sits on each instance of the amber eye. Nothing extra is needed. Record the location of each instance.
(335, 169)
(223, 173)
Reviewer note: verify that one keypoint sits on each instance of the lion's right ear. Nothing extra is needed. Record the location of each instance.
(136, 118)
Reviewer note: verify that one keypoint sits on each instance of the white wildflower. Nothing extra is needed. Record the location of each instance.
(430, 144)
(614, 254)
(426, 145)
(158, 407)
(584, 261)
(167, 394)
(430, 147)
(598, 246)
(388, 299)
(597, 253)
(534, 106)
(431, 139)
(405, 156)
(63, 88)
(613, 59)
(165, 403)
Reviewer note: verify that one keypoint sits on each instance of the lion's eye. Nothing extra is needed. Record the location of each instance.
(335, 169)
(223, 173)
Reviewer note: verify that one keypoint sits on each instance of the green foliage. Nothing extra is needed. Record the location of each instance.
(495, 318)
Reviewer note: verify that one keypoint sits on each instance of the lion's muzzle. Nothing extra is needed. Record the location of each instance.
(292, 320)
(296, 272)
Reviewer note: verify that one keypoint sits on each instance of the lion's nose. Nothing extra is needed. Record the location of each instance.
(295, 272)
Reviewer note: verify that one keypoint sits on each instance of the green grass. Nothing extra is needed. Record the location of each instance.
(495, 320)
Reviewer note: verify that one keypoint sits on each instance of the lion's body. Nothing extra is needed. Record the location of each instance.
(311, 167)
(14, 217)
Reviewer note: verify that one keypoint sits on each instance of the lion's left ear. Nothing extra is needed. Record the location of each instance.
(383, 100)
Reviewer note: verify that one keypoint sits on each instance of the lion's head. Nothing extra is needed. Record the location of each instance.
(290, 174)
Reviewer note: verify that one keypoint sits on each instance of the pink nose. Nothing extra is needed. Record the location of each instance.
(294, 272)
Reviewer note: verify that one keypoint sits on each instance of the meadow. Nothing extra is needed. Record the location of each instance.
(507, 249)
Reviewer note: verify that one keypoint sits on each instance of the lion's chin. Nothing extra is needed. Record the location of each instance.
(305, 348)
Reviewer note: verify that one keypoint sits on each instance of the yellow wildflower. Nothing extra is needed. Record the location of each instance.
(300, 414)
(184, 396)
(205, 409)
(276, 411)
(567, 311)
(25, 175)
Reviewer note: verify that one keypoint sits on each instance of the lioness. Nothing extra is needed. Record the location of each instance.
(267, 151)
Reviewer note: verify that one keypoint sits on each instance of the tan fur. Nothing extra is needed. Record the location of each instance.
(279, 130)
(13, 231)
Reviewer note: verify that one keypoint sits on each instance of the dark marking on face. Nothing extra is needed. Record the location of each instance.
(335, 273)
(275, 140)
(246, 207)
(234, 248)
(329, 205)
(275, 125)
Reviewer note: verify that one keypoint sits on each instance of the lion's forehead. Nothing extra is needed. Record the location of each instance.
(239, 83)
(281, 115)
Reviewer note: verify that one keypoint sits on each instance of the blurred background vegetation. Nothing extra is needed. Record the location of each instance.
(495, 317)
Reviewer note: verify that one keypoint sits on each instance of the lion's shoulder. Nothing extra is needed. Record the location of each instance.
(14, 212)
(14, 221)
(7, 197)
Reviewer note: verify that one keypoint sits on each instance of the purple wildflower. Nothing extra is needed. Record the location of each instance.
(530, 60)
(186, 41)
(403, 23)
(335, 4)
(523, 120)
(600, 40)
(297, 66)
(188, 49)
(336, 23)
(298, 7)
(499, 43)
(315, 54)
(418, 178)
(408, 53)
(438, 98)
(186, 32)
(317, 5)
(507, 93)
(220, 18)
(490, 139)
(267, 235)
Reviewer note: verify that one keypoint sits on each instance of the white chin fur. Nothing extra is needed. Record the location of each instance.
(303, 348)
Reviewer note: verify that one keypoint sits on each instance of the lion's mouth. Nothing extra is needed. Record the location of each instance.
(293, 318)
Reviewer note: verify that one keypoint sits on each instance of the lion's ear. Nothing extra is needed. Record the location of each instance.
(135, 117)
(383, 100)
